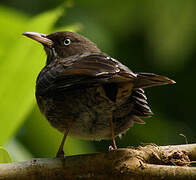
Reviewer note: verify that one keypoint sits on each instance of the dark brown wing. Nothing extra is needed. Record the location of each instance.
(90, 70)
(82, 71)
(99, 67)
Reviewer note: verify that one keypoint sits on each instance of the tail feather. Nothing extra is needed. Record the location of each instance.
(139, 94)
(145, 80)
(138, 101)
(136, 107)
(140, 107)
(137, 120)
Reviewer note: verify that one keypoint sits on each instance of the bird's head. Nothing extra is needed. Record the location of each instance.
(63, 44)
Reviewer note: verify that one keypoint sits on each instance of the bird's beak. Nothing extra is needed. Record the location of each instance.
(39, 37)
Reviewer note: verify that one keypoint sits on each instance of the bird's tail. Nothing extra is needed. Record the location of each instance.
(145, 80)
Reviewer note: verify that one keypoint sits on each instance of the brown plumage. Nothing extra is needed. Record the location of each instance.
(86, 93)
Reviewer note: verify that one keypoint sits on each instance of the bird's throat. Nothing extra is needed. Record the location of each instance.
(51, 54)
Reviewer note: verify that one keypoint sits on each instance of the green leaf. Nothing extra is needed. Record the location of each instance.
(21, 61)
(17, 151)
(4, 156)
(7, 25)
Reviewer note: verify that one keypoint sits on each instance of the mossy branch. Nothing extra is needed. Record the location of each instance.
(148, 162)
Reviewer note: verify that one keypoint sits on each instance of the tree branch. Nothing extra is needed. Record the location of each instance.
(148, 162)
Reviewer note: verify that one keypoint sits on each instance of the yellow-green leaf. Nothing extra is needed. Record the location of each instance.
(20, 63)
(4, 156)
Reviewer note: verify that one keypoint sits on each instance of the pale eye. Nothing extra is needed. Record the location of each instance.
(67, 42)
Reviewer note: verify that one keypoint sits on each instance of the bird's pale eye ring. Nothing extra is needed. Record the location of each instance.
(67, 42)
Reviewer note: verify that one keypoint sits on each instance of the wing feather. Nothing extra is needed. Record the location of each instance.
(82, 71)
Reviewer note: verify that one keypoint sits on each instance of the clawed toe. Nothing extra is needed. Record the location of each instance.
(60, 154)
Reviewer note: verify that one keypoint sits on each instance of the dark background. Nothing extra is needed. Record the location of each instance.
(147, 36)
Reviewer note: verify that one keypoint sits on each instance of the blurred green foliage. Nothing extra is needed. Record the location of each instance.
(4, 156)
(18, 69)
(150, 36)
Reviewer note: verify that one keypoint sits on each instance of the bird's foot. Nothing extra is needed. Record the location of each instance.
(60, 154)
(112, 147)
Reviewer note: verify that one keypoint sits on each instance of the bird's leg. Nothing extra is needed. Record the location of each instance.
(60, 152)
(114, 147)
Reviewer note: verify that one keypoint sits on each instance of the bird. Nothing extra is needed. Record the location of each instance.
(85, 93)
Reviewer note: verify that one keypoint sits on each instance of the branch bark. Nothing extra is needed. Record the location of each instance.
(148, 162)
